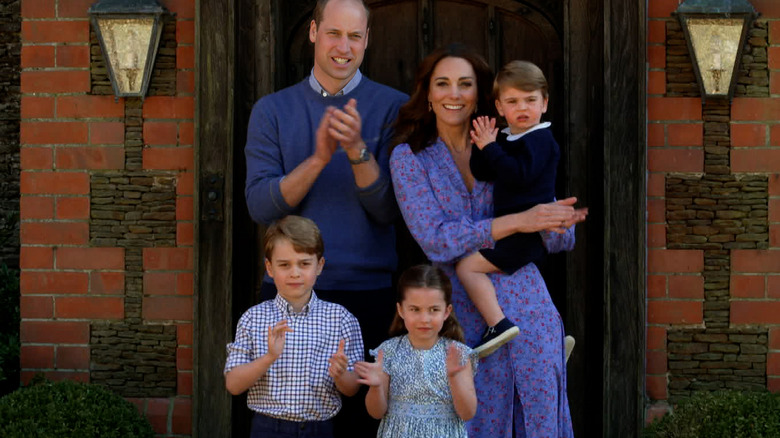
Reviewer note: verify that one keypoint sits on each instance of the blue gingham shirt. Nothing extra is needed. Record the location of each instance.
(297, 386)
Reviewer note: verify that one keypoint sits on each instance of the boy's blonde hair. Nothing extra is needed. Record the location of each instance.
(522, 75)
(302, 232)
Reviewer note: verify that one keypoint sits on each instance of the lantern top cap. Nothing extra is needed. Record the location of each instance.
(716, 7)
(126, 7)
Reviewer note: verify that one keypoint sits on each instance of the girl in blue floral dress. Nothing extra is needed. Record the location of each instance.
(422, 383)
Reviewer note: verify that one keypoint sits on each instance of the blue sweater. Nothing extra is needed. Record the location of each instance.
(356, 224)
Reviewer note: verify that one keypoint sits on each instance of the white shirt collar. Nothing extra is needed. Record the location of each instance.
(513, 137)
(351, 85)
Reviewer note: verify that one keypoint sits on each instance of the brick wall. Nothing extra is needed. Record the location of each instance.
(107, 231)
(713, 217)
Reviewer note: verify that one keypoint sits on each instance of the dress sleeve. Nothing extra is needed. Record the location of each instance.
(388, 347)
(443, 233)
(555, 242)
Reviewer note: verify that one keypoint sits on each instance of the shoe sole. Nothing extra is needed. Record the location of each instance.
(569, 346)
(488, 348)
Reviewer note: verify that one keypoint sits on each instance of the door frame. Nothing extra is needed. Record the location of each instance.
(605, 51)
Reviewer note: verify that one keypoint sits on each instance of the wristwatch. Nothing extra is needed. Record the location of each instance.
(365, 155)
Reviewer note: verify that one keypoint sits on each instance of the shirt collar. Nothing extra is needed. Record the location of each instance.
(513, 137)
(351, 85)
(285, 307)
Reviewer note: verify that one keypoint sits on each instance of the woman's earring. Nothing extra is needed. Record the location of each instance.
(430, 107)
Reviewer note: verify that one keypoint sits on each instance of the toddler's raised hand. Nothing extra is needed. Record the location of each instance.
(276, 335)
(338, 362)
(484, 131)
(454, 365)
(370, 373)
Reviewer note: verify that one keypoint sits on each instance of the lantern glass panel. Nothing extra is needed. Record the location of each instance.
(126, 41)
(715, 42)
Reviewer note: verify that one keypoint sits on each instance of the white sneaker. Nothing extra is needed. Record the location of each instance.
(568, 345)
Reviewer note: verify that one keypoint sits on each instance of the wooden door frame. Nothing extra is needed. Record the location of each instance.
(605, 51)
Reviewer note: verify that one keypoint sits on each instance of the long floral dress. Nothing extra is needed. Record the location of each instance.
(522, 386)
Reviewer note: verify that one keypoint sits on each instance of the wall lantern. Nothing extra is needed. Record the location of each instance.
(715, 31)
(129, 33)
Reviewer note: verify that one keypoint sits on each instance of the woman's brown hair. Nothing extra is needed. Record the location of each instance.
(416, 124)
(431, 277)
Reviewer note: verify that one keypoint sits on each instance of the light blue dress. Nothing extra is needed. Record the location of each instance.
(420, 401)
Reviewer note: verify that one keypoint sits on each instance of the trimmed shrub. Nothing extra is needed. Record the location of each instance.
(69, 409)
(9, 330)
(720, 414)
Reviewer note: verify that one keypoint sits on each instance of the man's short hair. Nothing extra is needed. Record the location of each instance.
(522, 75)
(319, 10)
(302, 232)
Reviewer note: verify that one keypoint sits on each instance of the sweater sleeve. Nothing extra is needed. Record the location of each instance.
(443, 234)
(479, 165)
(526, 162)
(264, 167)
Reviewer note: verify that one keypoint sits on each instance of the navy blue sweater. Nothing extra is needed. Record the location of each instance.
(356, 224)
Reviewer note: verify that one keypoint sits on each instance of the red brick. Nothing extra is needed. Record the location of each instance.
(90, 258)
(89, 307)
(163, 259)
(54, 233)
(774, 57)
(168, 158)
(755, 312)
(774, 32)
(57, 376)
(184, 208)
(656, 82)
(686, 286)
(72, 208)
(159, 283)
(182, 8)
(748, 135)
(686, 134)
(185, 57)
(748, 109)
(38, 8)
(184, 334)
(767, 9)
(656, 411)
(661, 8)
(656, 338)
(774, 184)
(185, 32)
(68, 81)
(55, 31)
(168, 308)
(87, 106)
(774, 130)
(656, 286)
(674, 108)
(656, 210)
(38, 56)
(185, 184)
(181, 423)
(184, 383)
(185, 283)
(157, 414)
(754, 260)
(755, 160)
(656, 31)
(53, 282)
(37, 107)
(656, 362)
(73, 8)
(656, 184)
(166, 107)
(90, 158)
(74, 358)
(774, 82)
(73, 56)
(184, 359)
(773, 364)
(53, 132)
(656, 135)
(107, 133)
(36, 307)
(675, 160)
(186, 133)
(36, 257)
(774, 338)
(54, 332)
(774, 236)
(37, 356)
(747, 286)
(656, 56)
(656, 387)
(106, 283)
(185, 234)
(773, 286)
(55, 183)
(36, 207)
(185, 81)
(674, 312)
(773, 384)
(656, 235)
(774, 210)
(160, 133)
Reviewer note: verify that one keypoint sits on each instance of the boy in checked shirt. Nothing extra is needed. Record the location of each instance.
(294, 353)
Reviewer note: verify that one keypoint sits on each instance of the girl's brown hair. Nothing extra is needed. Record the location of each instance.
(427, 276)
(416, 124)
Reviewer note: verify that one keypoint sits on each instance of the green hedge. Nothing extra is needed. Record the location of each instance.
(69, 409)
(721, 414)
(9, 330)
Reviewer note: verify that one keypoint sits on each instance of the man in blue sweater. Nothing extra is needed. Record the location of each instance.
(320, 149)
